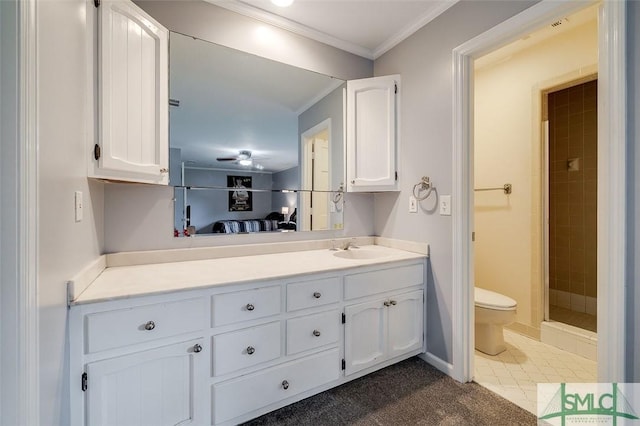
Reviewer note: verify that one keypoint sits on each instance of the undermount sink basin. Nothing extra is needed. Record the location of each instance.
(359, 254)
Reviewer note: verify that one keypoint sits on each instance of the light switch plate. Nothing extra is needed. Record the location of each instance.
(79, 206)
(445, 205)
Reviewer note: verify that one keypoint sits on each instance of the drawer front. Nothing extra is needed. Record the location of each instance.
(312, 331)
(245, 348)
(113, 329)
(308, 294)
(251, 392)
(245, 305)
(368, 283)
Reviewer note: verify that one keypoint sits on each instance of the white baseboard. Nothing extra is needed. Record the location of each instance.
(438, 363)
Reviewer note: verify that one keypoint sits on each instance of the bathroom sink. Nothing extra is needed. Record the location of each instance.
(358, 253)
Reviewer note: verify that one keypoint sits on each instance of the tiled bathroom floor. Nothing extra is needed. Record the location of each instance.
(514, 373)
(576, 319)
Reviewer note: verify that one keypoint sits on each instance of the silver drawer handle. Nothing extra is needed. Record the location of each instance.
(387, 303)
(197, 348)
(285, 385)
(317, 295)
(250, 307)
(393, 302)
(316, 333)
(150, 325)
(250, 350)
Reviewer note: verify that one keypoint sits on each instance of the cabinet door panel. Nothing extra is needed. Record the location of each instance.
(365, 335)
(133, 96)
(371, 134)
(406, 323)
(154, 387)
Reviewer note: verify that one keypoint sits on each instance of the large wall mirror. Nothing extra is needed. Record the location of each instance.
(255, 145)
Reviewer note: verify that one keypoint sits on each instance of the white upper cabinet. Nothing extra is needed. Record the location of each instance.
(372, 133)
(133, 104)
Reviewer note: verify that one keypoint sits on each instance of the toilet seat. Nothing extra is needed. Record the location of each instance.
(492, 300)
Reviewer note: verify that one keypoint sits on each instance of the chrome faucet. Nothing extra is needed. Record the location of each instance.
(349, 244)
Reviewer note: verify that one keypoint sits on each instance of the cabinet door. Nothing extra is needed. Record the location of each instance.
(365, 335)
(372, 134)
(406, 323)
(157, 387)
(133, 94)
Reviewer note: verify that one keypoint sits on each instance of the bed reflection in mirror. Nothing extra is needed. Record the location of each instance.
(213, 211)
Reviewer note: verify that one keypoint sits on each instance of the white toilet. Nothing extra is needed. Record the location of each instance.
(493, 311)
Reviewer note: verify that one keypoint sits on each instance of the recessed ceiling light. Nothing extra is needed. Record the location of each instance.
(282, 3)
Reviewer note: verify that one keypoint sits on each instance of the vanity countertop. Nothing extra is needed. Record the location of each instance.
(139, 280)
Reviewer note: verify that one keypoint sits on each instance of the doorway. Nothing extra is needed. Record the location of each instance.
(316, 179)
(571, 136)
(611, 185)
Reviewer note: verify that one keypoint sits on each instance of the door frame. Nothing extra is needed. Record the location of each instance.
(611, 181)
(18, 207)
(306, 171)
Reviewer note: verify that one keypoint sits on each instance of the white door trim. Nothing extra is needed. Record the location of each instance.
(611, 176)
(19, 285)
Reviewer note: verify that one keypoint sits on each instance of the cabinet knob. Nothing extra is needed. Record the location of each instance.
(393, 302)
(386, 303)
(250, 307)
(285, 385)
(317, 295)
(250, 350)
(163, 170)
(150, 325)
(197, 348)
(353, 182)
(316, 333)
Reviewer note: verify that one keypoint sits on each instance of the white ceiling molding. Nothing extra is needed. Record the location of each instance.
(322, 37)
(319, 96)
(294, 27)
(411, 28)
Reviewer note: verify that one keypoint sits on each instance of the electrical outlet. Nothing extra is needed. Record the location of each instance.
(445, 205)
(79, 206)
(413, 204)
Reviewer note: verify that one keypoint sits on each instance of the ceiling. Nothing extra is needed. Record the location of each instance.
(367, 28)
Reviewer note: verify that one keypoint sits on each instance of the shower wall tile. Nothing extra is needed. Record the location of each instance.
(573, 197)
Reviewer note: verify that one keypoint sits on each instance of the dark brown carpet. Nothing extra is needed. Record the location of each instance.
(408, 393)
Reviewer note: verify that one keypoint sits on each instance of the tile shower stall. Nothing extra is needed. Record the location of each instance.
(573, 146)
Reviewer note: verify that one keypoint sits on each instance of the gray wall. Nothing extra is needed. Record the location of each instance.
(286, 179)
(425, 62)
(64, 246)
(331, 106)
(633, 202)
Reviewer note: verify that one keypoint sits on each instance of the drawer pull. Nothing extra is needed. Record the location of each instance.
(393, 302)
(250, 307)
(197, 348)
(386, 303)
(285, 385)
(316, 333)
(250, 350)
(150, 325)
(317, 295)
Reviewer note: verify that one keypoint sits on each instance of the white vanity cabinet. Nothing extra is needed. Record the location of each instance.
(389, 322)
(132, 99)
(372, 134)
(139, 363)
(228, 353)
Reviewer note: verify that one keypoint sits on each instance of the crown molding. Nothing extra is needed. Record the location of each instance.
(408, 31)
(292, 26)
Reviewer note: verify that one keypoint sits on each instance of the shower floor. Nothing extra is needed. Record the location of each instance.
(576, 319)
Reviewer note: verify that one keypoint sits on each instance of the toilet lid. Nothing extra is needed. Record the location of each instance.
(492, 300)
